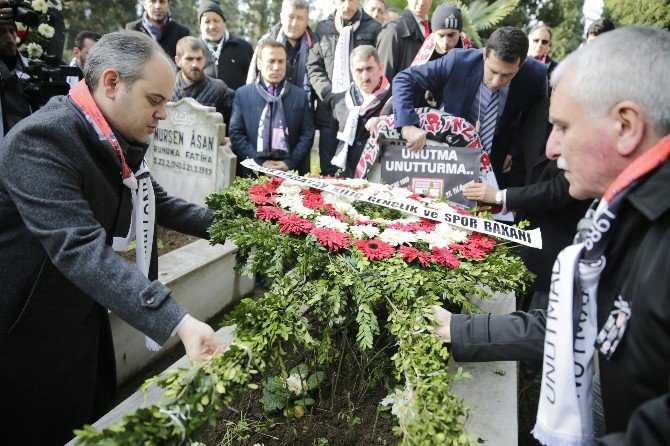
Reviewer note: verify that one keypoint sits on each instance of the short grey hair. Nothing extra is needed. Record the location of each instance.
(124, 51)
(295, 4)
(627, 64)
(364, 52)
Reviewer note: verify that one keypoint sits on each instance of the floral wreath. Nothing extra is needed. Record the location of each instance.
(336, 223)
(39, 40)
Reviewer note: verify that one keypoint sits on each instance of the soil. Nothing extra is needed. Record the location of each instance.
(345, 414)
(168, 240)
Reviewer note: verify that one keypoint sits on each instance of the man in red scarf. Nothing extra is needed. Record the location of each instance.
(75, 189)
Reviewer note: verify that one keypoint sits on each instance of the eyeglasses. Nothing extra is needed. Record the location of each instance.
(544, 41)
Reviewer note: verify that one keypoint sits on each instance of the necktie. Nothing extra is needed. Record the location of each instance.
(488, 127)
(426, 27)
(271, 89)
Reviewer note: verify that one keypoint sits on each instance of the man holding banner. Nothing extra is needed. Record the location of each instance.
(357, 109)
(610, 292)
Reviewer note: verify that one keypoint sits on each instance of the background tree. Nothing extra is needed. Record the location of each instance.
(640, 12)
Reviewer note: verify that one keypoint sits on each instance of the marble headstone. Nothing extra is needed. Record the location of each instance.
(188, 155)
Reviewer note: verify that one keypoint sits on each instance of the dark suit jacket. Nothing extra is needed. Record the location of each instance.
(171, 34)
(233, 63)
(398, 43)
(247, 109)
(458, 75)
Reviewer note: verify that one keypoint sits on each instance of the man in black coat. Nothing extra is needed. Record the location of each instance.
(272, 121)
(73, 181)
(328, 67)
(357, 110)
(228, 56)
(157, 23)
(610, 293)
(401, 39)
(192, 82)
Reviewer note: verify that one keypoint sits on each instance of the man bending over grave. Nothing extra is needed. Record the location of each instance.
(75, 189)
(192, 82)
(357, 110)
(272, 121)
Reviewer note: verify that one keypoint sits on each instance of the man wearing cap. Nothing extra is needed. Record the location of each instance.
(228, 56)
(493, 88)
(272, 121)
(157, 23)
(14, 105)
(400, 40)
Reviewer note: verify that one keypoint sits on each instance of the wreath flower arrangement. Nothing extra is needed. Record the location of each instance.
(342, 278)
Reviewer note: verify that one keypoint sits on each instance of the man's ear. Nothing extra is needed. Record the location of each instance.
(75, 52)
(176, 61)
(258, 62)
(632, 126)
(110, 83)
(484, 53)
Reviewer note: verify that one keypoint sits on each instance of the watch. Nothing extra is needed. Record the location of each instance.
(499, 197)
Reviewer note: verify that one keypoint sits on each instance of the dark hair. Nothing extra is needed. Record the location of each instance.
(510, 44)
(269, 43)
(597, 27)
(79, 40)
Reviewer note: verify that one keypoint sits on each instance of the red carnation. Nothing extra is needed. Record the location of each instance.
(482, 241)
(410, 254)
(445, 257)
(263, 193)
(366, 223)
(331, 239)
(375, 249)
(312, 199)
(335, 213)
(269, 213)
(292, 224)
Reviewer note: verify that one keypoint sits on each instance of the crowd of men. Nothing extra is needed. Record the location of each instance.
(72, 194)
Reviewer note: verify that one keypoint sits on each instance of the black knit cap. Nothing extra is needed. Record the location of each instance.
(447, 16)
(210, 5)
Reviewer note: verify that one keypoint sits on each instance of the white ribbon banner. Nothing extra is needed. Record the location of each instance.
(531, 238)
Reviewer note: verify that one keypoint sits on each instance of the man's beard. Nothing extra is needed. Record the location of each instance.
(194, 76)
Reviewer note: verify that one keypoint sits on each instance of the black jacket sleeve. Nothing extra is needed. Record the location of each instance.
(498, 337)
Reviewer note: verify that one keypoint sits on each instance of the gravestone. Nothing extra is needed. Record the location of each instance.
(188, 154)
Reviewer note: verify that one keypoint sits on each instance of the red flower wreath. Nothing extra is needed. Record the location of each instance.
(445, 257)
(375, 249)
(292, 224)
(331, 239)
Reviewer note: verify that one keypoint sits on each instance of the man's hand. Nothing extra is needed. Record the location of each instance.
(372, 123)
(443, 327)
(415, 137)
(480, 192)
(507, 165)
(199, 340)
(279, 165)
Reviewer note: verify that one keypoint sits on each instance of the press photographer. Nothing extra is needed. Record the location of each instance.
(14, 104)
(25, 85)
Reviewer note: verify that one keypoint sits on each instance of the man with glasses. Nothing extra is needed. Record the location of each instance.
(493, 88)
(539, 46)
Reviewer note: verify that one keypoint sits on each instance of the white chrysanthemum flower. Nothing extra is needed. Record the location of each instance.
(364, 231)
(288, 201)
(450, 232)
(56, 4)
(401, 192)
(434, 239)
(395, 237)
(302, 210)
(289, 187)
(46, 30)
(442, 206)
(373, 188)
(326, 221)
(362, 217)
(34, 50)
(296, 384)
(40, 6)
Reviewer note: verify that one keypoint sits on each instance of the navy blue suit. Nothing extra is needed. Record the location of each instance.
(458, 75)
(243, 131)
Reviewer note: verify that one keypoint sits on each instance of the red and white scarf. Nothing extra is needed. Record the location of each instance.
(137, 215)
(565, 413)
(348, 135)
(429, 45)
(341, 74)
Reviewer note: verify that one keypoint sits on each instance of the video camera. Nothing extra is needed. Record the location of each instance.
(45, 79)
(22, 12)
